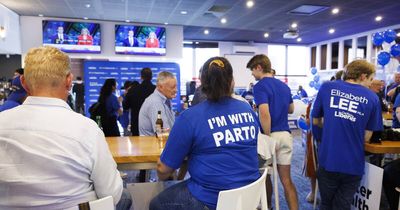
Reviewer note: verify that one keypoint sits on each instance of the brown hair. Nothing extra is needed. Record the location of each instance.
(216, 78)
(261, 60)
(355, 69)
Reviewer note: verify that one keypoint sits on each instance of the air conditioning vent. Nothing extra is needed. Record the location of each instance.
(244, 49)
(291, 34)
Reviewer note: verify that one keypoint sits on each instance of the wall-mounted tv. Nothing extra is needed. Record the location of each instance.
(140, 40)
(72, 37)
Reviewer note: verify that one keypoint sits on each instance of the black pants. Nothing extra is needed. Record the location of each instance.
(110, 126)
(391, 180)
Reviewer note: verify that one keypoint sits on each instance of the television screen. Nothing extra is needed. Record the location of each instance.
(72, 37)
(141, 40)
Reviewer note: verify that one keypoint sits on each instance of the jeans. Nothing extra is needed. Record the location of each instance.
(176, 197)
(337, 189)
(125, 202)
(391, 180)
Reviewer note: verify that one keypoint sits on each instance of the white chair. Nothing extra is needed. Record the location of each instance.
(266, 149)
(398, 190)
(244, 198)
(105, 203)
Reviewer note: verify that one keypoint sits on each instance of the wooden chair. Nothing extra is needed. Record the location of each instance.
(245, 198)
(105, 203)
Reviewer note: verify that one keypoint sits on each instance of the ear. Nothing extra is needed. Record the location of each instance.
(24, 85)
(68, 81)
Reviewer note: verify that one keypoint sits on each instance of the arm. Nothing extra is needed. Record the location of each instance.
(391, 92)
(163, 171)
(265, 118)
(367, 136)
(318, 122)
(398, 113)
(291, 108)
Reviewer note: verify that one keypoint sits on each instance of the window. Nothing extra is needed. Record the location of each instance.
(203, 54)
(335, 55)
(297, 60)
(277, 55)
(186, 65)
(313, 56)
(361, 47)
(323, 56)
(347, 52)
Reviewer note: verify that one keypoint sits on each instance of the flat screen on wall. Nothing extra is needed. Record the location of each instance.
(72, 37)
(140, 40)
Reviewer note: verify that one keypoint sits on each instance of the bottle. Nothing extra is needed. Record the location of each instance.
(159, 125)
(98, 121)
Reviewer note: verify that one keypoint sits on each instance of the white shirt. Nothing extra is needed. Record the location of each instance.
(53, 158)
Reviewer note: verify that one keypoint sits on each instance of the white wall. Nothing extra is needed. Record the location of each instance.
(11, 44)
(31, 30)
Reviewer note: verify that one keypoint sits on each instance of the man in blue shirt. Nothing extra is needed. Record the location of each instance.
(274, 102)
(348, 112)
(16, 97)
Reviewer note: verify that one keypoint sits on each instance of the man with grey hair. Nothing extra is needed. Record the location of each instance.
(50, 156)
(159, 100)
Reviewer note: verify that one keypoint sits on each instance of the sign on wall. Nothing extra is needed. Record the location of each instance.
(96, 72)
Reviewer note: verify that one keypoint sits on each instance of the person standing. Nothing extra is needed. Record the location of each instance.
(111, 108)
(79, 91)
(136, 96)
(54, 158)
(274, 102)
(348, 112)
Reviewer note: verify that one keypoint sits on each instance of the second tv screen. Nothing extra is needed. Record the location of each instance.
(140, 40)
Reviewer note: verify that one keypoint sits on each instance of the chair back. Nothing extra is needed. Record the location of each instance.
(244, 198)
(105, 203)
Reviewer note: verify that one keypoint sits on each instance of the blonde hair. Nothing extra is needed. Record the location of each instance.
(46, 66)
(355, 69)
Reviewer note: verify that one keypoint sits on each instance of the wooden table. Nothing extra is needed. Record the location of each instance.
(390, 147)
(135, 152)
(387, 115)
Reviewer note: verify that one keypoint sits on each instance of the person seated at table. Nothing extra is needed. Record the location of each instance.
(159, 100)
(53, 157)
(16, 97)
(391, 180)
(219, 137)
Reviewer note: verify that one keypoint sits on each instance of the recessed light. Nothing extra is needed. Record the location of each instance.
(299, 39)
(40, 15)
(183, 12)
(127, 21)
(378, 18)
(250, 4)
(87, 5)
(294, 25)
(266, 35)
(88, 57)
(331, 30)
(85, 18)
(223, 20)
(166, 23)
(206, 32)
(197, 42)
(335, 10)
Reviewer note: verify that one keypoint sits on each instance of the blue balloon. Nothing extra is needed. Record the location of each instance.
(316, 78)
(395, 50)
(383, 58)
(317, 86)
(389, 36)
(313, 70)
(301, 123)
(377, 38)
(312, 83)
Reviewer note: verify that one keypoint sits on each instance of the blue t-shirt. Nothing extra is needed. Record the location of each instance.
(396, 123)
(277, 95)
(112, 106)
(9, 104)
(220, 141)
(348, 110)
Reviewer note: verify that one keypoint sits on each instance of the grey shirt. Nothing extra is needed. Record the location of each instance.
(148, 113)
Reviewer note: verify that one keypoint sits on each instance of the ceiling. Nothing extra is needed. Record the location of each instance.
(243, 24)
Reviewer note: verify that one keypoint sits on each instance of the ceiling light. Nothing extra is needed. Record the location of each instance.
(378, 18)
(250, 4)
(223, 20)
(127, 21)
(335, 10)
(206, 32)
(88, 57)
(166, 23)
(183, 12)
(294, 25)
(85, 18)
(266, 35)
(331, 30)
(40, 15)
(197, 42)
(87, 5)
(398, 34)
(299, 39)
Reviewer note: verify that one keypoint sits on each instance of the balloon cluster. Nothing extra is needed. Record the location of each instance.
(387, 36)
(315, 83)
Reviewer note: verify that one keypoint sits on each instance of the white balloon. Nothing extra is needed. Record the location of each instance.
(386, 46)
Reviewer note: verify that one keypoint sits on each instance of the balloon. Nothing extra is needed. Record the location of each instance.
(395, 50)
(377, 38)
(301, 123)
(317, 86)
(313, 70)
(312, 83)
(389, 35)
(383, 58)
(316, 78)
